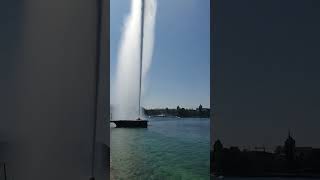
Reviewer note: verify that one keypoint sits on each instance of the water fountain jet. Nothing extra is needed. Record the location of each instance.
(134, 27)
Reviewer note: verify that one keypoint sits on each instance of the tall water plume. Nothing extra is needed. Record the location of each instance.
(128, 67)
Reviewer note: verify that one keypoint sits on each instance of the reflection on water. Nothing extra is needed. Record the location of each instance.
(170, 148)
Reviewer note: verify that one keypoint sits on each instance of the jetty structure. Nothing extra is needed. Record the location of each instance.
(139, 122)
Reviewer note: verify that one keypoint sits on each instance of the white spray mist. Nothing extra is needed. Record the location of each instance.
(127, 77)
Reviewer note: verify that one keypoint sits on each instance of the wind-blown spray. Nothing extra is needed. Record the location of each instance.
(127, 87)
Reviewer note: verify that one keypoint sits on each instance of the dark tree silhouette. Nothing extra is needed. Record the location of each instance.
(289, 149)
(200, 108)
(217, 157)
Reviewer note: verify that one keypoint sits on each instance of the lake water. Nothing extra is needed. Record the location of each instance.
(170, 148)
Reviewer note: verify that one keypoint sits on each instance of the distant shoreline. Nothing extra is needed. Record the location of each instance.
(178, 112)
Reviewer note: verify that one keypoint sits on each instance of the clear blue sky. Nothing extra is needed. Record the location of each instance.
(180, 70)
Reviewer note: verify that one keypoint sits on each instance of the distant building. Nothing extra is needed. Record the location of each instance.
(283, 161)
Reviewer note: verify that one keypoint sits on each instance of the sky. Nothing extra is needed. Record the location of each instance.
(180, 69)
(266, 72)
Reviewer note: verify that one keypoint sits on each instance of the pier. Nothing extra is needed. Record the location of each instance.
(131, 123)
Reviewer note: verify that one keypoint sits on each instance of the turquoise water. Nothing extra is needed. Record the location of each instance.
(170, 148)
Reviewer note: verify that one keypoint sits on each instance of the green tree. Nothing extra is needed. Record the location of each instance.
(167, 110)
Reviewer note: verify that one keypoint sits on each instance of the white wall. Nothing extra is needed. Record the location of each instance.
(47, 68)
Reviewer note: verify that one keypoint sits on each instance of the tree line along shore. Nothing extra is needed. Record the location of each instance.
(199, 112)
